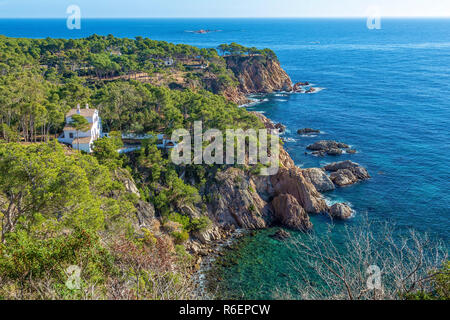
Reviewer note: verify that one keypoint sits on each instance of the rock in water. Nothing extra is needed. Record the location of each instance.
(281, 235)
(329, 147)
(334, 152)
(291, 181)
(281, 128)
(341, 211)
(290, 214)
(326, 145)
(346, 172)
(319, 179)
(343, 177)
(298, 87)
(307, 131)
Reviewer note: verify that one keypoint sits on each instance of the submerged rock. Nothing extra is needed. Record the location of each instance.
(281, 235)
(311, 90)
(341, 211)
(319, 179)
(290, 214)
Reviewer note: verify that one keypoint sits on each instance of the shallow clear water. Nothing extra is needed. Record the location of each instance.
(386, 93)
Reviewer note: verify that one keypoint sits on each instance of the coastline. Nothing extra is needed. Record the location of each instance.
(227, 240)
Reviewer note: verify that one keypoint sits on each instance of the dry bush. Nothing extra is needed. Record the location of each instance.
(323, 271)
(148, 272)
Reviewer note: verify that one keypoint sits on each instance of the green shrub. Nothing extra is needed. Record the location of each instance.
(180, 237)
(200, 224)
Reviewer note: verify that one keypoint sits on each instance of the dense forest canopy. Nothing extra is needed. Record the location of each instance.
(41, 79)
(59, 207)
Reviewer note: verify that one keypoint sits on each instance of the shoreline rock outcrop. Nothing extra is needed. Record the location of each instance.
(290, 214)
(341, 211)
(319, 179)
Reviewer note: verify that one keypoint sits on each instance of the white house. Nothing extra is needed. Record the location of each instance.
(85, 138)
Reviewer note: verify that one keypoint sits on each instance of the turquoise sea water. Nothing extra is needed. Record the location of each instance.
(386, 93)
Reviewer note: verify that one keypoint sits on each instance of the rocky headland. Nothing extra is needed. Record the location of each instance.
(239, 199)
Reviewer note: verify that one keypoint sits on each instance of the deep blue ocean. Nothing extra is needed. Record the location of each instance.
(385, 92)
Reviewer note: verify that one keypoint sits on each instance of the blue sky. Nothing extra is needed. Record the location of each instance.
(223, 8)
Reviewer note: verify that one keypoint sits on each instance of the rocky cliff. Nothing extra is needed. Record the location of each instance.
(258, 74)
(243, 199)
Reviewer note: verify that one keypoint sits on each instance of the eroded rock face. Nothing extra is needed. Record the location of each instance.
(291, 181)
(126, 179)
(343, 177)
(289, 213)
(319, 179)
(341, 211)
(257, 74)
(236, 202)
(346, 172)
(211, 234)
(145, 213)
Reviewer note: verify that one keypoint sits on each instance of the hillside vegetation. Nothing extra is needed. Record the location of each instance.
(122, 220)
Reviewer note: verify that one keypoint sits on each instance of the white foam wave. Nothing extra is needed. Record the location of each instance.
(308, 135)
(316, 90)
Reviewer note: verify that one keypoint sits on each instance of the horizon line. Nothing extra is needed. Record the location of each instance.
(243, 17)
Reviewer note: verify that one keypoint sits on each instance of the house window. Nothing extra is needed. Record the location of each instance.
(71, 135)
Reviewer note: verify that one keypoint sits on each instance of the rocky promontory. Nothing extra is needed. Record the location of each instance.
(256, 74)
